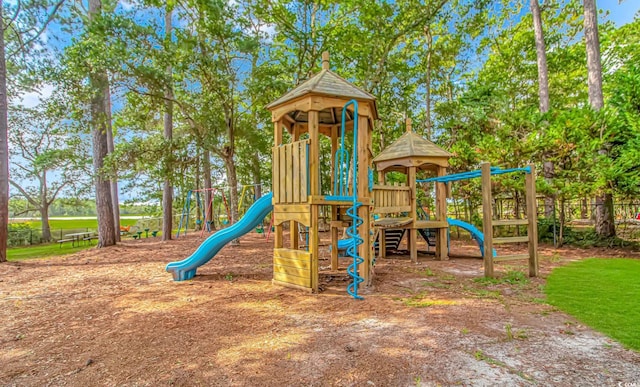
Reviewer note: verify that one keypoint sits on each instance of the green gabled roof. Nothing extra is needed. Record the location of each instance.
(411, 145)
(327, 83)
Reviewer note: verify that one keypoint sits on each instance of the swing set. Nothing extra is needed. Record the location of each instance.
(206, 209)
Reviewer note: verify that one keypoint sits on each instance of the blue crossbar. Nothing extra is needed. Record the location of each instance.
(472, 175)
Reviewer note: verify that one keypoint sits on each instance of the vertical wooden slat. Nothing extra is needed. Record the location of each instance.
(532, 217)
(290, 176)
(304, 171)
(276, 174)
(294, 235)
(487, 220)
(296, 172)
(283, 174)
(278, 240)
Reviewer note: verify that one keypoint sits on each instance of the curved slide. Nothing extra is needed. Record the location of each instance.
(475, 233)
(186, 269)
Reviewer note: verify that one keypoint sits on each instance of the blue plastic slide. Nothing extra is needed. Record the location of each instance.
(475, 233)
(186, 269)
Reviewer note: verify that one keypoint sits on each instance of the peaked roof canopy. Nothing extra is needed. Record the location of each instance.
(326, 83)
(412, 150)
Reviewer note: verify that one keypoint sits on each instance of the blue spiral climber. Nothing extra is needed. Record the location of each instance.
(352, 250)
(352, 231)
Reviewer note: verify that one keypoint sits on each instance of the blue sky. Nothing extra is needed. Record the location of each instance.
(620, 13)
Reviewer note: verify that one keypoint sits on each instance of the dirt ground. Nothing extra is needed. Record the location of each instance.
(114, 317)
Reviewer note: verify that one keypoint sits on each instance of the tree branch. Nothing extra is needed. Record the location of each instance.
(24, 193)
(39, 32)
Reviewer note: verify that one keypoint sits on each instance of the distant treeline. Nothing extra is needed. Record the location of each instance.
(76, 207)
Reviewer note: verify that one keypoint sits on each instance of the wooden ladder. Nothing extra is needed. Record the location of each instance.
(489, 223)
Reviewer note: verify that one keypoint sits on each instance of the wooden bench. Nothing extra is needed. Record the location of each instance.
(89, 238)
(61, 241)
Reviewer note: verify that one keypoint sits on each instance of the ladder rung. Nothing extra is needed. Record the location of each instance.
(513, 257)
(511, 240)
(510, 222)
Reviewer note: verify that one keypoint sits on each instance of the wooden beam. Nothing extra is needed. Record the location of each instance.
(442, 251)
(314, 154)
(510, 222)
(512, 257)
(277, 133)
(532, 217)
(517, 239)
(487, 218)
(334, 149)
(314, 247)
(364, 162)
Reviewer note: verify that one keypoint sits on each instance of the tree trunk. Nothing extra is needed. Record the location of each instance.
(167, 189)
(584, 209)
(44, 208)
(197, 194)
(208, 195)
(4, 148)
(605, 226)
(110, 149)
(541, 54)
(427, 94)
(257, 175)
(543, 94)
(44, 218)
(232, 179)
(104, 203)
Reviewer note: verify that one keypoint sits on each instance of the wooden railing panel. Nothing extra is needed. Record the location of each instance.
(389, 199)
(290, 173)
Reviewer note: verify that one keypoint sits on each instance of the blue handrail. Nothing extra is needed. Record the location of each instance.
(472, 174)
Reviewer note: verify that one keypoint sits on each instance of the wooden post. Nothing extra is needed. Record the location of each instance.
(277, 141)
(487, 220)
(314, 246)
(532, 217)
(293, 232)
(412, 236)
(442, 252)
(364, 162)
(334, 242)
(278, 242)
(277, 133)
(334, 209)
(382, 178)
(314, 190)
(314, 154)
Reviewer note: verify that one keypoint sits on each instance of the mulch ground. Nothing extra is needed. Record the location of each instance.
(113, 316)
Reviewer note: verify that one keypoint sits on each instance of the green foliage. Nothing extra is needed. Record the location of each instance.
(600, 293)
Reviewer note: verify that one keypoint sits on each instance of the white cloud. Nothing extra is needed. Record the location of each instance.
(33, 98)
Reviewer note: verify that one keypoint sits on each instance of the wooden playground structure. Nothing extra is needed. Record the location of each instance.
(328, 105)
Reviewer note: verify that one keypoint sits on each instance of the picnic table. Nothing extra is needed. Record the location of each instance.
(77, 237)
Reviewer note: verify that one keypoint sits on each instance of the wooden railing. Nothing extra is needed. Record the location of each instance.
(388, 199)
(291, 173)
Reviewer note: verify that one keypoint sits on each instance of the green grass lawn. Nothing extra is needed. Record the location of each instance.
(602, 293)
(56, 224)
(43, 251)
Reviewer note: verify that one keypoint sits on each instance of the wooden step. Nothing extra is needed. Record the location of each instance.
(510, 222)
(510, 240)
(513, 257)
